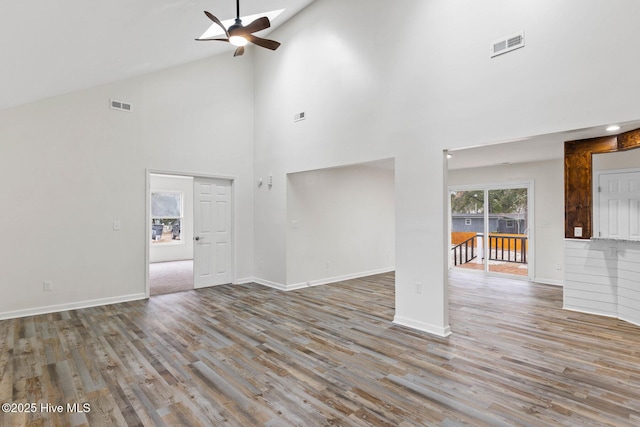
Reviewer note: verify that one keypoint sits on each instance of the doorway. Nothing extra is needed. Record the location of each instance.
(189, 237)
(341, 223)
(489, 228)
(170, 247)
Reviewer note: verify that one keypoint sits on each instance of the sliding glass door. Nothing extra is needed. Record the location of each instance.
(467, 228)
(507, 241)
(490, 228)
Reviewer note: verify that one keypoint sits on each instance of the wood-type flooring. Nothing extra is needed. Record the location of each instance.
(247, 355)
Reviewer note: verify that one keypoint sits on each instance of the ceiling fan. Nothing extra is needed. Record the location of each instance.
(239, 35)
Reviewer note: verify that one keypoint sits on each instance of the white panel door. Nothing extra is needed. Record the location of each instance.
(619, 205)
(610, 200)
(212, 232)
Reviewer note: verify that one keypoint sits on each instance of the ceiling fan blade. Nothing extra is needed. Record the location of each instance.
(255, 26)
(208, 40)
(269, 44)
(239, 51)
(217, 21)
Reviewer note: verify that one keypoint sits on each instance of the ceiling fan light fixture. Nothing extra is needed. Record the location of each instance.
(215, 30)
(240, 35)
(238, 41)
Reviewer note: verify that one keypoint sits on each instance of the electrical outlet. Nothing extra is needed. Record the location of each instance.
(116, 225)
(558, 266)
(418, 287)
(47, 285)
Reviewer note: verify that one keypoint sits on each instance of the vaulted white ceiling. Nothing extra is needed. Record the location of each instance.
(48, 48)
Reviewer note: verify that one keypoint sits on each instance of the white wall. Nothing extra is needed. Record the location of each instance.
(629, 159)
(341, 224)
(182, 249)
(419, 81)
(70, 167)
(548, 178)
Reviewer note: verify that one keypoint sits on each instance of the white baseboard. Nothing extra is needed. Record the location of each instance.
(326, 281)
(553, 282)
(70, 306)
(594, 312)
(628, 320)
(422, 326)
(335, 279)
(270, 284)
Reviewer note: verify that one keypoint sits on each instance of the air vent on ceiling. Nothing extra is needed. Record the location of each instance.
(119, 105)
(507, 44)
(299, 116)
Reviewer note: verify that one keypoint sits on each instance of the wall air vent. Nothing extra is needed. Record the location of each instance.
(299, 116)
(119, 105)
(507, 44)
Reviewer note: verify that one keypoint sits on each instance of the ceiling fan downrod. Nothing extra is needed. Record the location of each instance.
(238, 23)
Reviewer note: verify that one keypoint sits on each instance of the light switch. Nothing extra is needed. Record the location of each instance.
(116, 225)
(577, 231)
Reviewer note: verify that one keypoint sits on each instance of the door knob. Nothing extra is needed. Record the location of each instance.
(196, 238)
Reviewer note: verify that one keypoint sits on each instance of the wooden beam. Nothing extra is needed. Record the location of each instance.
(578, 177)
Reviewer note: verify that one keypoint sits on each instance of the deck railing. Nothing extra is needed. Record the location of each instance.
(508, 248)
(464, 251)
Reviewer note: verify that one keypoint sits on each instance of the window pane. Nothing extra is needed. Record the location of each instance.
(467, 225)
(166, 205)
(508, 231)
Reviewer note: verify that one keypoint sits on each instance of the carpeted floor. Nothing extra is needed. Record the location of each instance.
(169, 277)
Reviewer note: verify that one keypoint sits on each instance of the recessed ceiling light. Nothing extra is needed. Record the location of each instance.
(214, 30)
(613, 128)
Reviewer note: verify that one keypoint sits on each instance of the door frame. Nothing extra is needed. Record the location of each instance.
(147, 221)
(530, 185)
